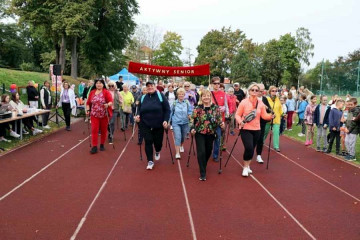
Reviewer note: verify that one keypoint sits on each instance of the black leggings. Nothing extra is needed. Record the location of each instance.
(204, 144)
(152, 136)
(260, 142)
(249, 139)
(67, 112)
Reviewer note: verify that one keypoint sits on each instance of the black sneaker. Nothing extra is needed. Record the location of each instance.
(123, 129)
(93, 150)
(68, 128)
(202, 178)
(102, 148)
(318, 149)
(110, 141)
(328, 151)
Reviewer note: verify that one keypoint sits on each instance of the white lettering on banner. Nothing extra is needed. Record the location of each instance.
(165, 71)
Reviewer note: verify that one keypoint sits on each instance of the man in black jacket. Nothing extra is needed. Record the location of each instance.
(33, 95)
(239, 93)
(260, 143)
(153, 115)
(119, 84)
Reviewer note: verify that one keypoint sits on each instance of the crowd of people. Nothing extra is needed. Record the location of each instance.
(202, 113)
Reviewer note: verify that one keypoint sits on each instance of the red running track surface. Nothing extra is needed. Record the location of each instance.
(138, 204)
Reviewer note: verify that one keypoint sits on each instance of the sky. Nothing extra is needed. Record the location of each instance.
(334, 24)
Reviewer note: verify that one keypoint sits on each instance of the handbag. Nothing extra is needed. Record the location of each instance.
(127, 109)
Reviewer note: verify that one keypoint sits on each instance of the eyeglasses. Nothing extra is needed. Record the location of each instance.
(111, 86)
(254, 90)
(186, 86)
(273, 90)
(216, 83)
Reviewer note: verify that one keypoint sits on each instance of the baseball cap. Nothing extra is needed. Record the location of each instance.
(149, 82)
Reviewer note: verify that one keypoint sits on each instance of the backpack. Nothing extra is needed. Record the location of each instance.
(158, 94)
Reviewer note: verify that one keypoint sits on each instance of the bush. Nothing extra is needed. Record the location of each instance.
(29, 67)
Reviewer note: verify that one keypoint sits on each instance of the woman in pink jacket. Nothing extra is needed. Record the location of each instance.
(250, 131)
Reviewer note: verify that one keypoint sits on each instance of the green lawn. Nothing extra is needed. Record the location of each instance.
(297, 129)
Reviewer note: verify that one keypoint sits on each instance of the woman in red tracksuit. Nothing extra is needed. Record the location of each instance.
(100, 102)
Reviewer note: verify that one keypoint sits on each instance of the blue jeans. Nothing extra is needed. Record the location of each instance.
(180, 131)
(217, 143)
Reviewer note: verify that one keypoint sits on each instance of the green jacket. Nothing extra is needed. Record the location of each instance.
(353, 126)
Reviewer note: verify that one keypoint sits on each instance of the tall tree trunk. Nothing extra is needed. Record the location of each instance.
(62, 52)
(74, 59)
(57, 50)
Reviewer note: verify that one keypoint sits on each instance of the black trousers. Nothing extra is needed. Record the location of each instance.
(152, 136)
(260, 142)
(334, 135)
(67, 111)
(204, 145)
(45, 116)
(249, 139)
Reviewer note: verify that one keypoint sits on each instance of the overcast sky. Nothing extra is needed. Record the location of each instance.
(334, 24)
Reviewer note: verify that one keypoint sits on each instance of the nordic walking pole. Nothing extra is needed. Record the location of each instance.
(121, 121)
(271, 133)
(111, 134)
(191, 146)
(134, 125)
(233, 148)
(168, 142)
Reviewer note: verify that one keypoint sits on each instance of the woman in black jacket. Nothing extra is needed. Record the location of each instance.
(153, 115)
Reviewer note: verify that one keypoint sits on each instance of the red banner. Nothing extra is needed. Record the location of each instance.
(200, 70)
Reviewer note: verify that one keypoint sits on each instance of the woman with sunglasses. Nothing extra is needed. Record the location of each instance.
(100, 102)
(276, 108)
(117, 101)
(250, 131)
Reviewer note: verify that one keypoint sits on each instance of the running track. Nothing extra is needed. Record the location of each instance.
(54, 189)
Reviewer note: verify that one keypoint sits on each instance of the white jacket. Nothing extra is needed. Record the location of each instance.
(71, 97)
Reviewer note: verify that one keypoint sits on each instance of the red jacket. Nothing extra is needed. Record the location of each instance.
(231, 103)
(108, 98)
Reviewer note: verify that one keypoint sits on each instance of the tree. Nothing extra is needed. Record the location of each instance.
(111, 24)
(169, 51)
(219, 48)
(304, 43)
(245, 67)
(271, 70)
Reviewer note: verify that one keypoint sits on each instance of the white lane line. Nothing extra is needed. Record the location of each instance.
(187, 202)
(321, 178)
(83, 219)
(43, 169)
(186, 198)
(277, 201)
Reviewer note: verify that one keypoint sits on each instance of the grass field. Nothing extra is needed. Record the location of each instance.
(297, 129)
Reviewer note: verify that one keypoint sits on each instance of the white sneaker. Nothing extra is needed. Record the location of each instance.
(259, 159)
(36, 131)
(4, 139)
(150, 165)
(47, 127)
(177, 156)
(182, 149)
(14, 134)
(249, 170)
(301, 135)
(245, 172)
(157, 156)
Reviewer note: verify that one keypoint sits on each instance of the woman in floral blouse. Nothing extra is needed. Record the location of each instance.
(207, 118)
(98, 106)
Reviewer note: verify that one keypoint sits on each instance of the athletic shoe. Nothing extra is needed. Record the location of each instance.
(157, 156)
(102, 148)
(68, 128)
(46, 127)
(249, 170)
(25, 132)
(277, 149)
(310, 142)
(290, 129)
(324, 150)
(245, 172)
(2, 139)
(301, 134)
(93, 150)
(307, 143)
(171, 128)
(215, 160)
(182, 149)
(110, 140)
(318, 149)
(202, 178)
(328, 151)
(14, 134)
(36, 131)
(150, 165)
(259, 159)
(343, 153)
(86, 120)
(177, 156)
(350, 158)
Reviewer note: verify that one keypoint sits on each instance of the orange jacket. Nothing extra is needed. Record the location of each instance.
(245, 107)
